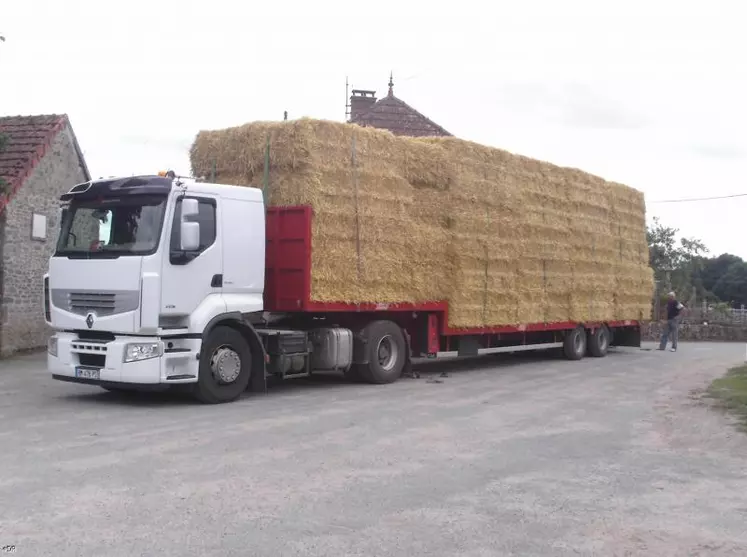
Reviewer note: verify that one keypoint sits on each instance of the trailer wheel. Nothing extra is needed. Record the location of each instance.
(574, 345)
(386, 353)
(225, 366)
(599, 342)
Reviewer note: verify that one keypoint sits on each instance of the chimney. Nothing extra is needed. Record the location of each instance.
(360, 102)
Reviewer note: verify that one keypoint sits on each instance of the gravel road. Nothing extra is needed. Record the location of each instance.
(524, 456)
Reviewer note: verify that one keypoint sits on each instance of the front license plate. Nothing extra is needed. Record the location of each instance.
(87, 372)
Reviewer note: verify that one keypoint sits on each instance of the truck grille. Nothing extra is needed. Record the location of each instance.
(89, 347)
(90, 352)
(92, 360)
(103, 303)
(83, 302)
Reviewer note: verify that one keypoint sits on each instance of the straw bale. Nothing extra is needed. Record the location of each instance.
(505, 239)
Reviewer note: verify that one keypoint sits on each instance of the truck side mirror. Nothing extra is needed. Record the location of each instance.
(189, 231)
(190, 236)
(190, 208)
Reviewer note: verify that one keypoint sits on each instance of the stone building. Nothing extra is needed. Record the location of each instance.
(391, 113)
(40, 159)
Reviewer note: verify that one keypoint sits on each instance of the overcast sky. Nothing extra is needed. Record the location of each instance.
(649, 93)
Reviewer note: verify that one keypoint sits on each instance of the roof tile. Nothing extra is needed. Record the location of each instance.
(398, 117)
(26, 141)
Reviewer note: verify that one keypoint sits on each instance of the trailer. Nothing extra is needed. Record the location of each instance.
(162, 282)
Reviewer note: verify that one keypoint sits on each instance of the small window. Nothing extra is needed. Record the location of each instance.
(38, 226)
(206, 218)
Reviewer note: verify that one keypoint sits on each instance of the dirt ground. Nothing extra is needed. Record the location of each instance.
(501, 456)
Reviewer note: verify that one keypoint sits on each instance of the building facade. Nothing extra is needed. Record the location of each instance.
(40, 159)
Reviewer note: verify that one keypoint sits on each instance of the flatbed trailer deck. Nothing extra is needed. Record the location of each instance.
(426, 324)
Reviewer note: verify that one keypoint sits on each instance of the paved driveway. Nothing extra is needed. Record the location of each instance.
(530, 456)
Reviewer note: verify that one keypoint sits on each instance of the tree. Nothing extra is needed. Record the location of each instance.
(680, 264)
(710, 271)
(675, 261)
(731, 287)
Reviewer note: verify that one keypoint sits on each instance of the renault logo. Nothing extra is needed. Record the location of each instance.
(89, 320)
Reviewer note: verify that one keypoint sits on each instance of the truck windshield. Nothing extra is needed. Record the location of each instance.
(111, 227)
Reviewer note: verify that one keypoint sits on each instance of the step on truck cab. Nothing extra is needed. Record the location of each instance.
(160, 282)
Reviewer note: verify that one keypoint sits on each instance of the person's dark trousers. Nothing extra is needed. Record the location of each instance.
(670, 331)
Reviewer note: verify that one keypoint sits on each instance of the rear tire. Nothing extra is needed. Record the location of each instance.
(574, 345)
(385, 351)
(225, 366)
(599, 342)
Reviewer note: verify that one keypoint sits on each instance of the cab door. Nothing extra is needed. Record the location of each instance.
(192, 278)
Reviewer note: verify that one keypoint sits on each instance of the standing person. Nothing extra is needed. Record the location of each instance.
(671, 329)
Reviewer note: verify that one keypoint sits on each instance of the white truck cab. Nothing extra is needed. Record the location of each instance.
(142, 269)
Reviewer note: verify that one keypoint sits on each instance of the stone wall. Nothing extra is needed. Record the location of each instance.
(699, 332)
(24, 261)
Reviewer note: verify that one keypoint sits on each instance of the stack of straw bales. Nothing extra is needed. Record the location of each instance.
(504, 238)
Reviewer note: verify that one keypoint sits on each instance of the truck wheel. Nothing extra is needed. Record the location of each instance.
(599, 342)
(225, 366)
(385, 352)
(574, 345)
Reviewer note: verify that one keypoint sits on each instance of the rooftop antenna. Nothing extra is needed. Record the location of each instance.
(347, 99)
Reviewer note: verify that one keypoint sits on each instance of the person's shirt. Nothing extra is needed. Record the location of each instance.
(673, 309)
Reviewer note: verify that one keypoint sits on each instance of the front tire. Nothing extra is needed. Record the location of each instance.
(574, 344)
(385, 352)
(225, 366)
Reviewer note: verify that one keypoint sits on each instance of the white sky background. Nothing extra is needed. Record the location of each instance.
(649, 93)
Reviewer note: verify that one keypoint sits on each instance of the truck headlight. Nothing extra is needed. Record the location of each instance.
(52, 346)
(136, 351)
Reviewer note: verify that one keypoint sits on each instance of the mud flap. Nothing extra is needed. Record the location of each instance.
(407, 371)
(258, 381)
(626, 336)
(360, 348)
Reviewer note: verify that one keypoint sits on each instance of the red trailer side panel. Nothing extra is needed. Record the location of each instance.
(287, 258)
(288, 281)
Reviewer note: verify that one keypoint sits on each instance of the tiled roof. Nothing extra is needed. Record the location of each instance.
(395, 115)
(27, 139)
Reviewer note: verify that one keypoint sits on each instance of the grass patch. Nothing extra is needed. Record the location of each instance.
(730, 391)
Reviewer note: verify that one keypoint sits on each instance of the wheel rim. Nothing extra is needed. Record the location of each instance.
(387, 353)
(225, 365)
